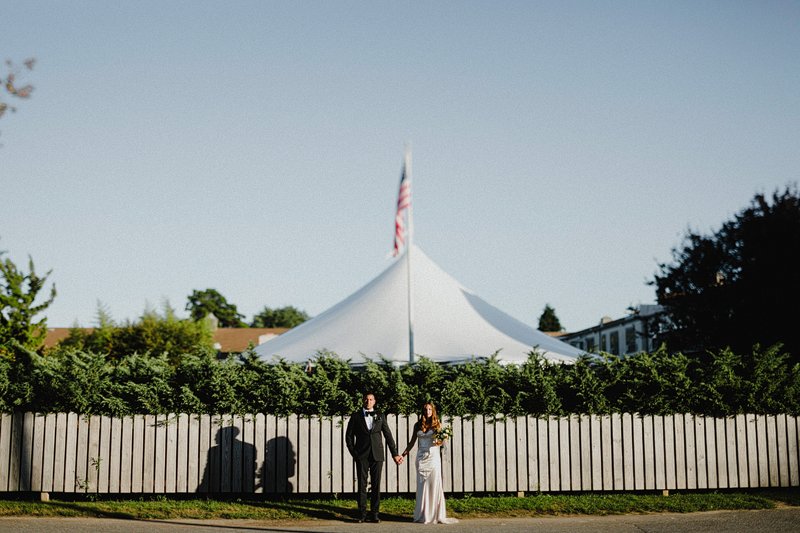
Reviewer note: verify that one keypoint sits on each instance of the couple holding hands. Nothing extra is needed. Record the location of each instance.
(364, 438)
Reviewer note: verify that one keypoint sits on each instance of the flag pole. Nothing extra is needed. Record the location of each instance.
(409, 235)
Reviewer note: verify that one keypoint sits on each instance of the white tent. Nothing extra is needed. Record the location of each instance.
(451, 323)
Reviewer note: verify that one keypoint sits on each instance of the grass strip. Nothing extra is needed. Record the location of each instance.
(400, 508)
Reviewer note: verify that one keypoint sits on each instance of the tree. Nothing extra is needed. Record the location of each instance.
(99, 339)
(10, 85)
(732, 289)
(18, 308)
(549, 321)
(201, 303)
(153, 333)
(283, 317)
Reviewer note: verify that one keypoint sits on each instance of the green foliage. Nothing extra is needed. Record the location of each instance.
(582, 388)
(154, 333)
(208, 384)
(721, 290)
(282, 317)
(64, 381)
(374, 379)
(548, 321)
(725, 383)
(398, 396)
(330, 385)
(201, 303)
(280, 387)
(18, 308)
(5, 385)
(19, 385)
(657, 383)
(426, 380)
(537, 386)
(162, 334)
(719, 383)
(480, 387)
(142, 385)
(462, 395)
(773, 385)
(10, 85)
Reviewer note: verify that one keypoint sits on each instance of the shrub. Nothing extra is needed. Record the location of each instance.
(714, 384)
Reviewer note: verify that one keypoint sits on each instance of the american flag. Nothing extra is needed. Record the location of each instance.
(403, 203)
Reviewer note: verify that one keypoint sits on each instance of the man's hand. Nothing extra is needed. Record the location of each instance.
(398, 459)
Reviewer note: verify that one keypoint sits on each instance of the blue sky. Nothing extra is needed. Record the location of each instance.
(560, 149)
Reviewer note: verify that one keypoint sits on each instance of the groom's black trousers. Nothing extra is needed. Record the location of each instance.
(366, 465)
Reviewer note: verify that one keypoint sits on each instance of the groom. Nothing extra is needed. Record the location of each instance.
(364, 438)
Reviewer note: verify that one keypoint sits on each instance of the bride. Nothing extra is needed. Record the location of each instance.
(430, 506)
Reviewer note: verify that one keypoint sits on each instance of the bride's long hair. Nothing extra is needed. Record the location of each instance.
(426, 423)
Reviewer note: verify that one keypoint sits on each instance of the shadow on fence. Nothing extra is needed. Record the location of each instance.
(182, 453)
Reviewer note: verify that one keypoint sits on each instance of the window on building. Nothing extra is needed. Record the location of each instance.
(603, 343)
(578, 344)
(613, 341)
(590, 344)
(630, 340)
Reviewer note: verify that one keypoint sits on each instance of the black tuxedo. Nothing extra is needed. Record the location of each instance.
(367, 448)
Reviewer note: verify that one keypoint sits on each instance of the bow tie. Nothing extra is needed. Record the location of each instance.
(368, 413)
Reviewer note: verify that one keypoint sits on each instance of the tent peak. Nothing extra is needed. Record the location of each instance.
(451, 322)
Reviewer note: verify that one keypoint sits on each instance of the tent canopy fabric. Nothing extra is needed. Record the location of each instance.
(451, 323)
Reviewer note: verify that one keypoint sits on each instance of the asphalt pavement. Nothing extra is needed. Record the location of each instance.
(783, 520)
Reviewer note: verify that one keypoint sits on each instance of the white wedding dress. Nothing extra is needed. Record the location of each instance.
(430, 506)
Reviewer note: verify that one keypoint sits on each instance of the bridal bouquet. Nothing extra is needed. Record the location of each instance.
(444, 433)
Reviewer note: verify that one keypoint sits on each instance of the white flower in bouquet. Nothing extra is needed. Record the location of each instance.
(444, 433)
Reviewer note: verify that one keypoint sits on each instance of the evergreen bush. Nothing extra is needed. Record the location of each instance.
(724, 383)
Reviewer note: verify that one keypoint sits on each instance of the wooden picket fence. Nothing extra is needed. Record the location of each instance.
(182, 453)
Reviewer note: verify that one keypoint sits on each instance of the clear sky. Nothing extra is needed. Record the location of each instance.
(560, 149)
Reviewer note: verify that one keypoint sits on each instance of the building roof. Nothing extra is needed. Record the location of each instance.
(238, 339)
(642, 313)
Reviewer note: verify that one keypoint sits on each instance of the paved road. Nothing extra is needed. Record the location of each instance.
(784, 520)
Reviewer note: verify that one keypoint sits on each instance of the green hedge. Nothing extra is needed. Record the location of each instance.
(717, 384)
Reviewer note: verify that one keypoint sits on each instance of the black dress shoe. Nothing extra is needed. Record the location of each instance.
(362, 519)
(374, 519)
